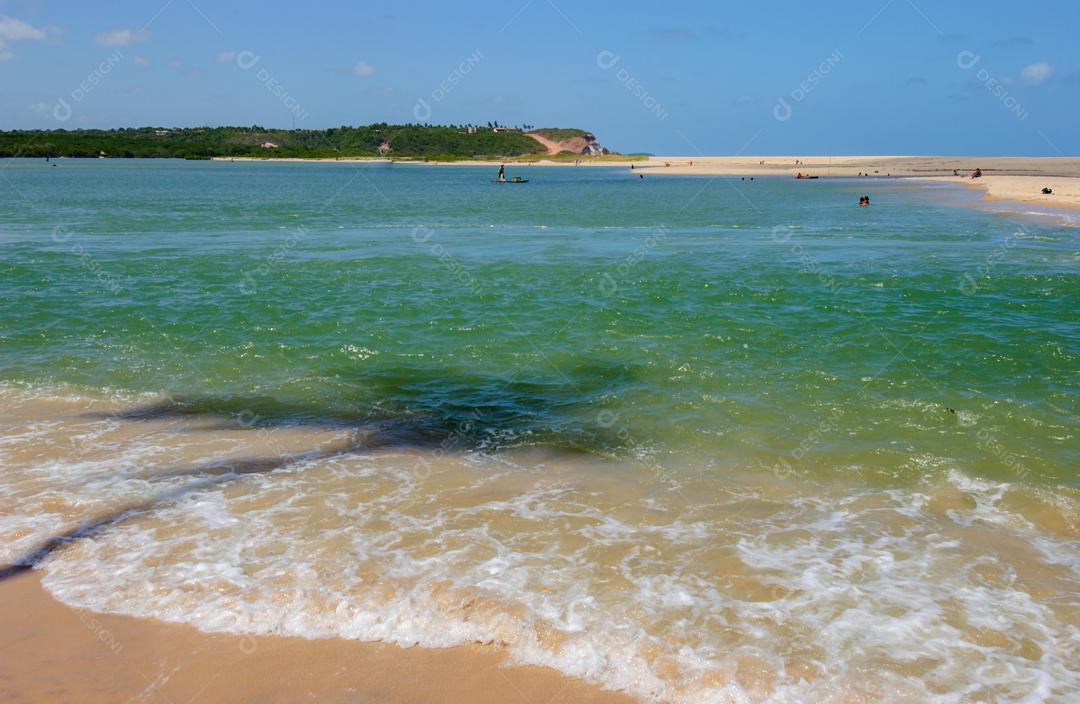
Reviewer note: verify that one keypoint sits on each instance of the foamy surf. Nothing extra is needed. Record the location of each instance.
(734, 588)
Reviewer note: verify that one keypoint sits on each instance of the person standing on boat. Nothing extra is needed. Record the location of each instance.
(502, 173)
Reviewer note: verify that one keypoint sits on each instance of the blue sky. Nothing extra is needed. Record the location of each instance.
(874, 77)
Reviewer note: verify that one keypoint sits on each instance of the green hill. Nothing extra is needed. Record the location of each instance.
(560, 134)
(405, 141)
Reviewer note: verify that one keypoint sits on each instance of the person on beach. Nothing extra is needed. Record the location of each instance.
(977, 173)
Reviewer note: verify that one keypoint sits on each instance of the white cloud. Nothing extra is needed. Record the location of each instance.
(225, 57)
(141, 61)
(13, 30)
(122, 37)
(1036, 74)
(363, 69)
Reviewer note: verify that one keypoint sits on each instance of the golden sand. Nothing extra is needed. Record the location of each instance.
(1004, 178)
(52, 653)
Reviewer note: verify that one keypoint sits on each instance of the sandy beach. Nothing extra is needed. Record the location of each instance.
(54, 653)
(1004, 178)
(1026, 189)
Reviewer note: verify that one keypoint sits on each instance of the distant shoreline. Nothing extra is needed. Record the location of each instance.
(1007, 180)
(610, 160)
(1004, 178)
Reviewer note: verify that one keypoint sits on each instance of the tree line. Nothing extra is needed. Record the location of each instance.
(404, 140)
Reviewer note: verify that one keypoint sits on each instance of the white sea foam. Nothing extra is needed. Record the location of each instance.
(761, 593)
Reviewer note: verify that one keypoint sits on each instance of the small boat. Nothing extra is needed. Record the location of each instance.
(516, 179)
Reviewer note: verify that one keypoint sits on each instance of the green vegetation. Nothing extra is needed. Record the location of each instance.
(560, 134)
(441, 143)
(565, 156)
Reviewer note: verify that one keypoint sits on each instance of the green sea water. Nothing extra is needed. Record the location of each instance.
(696, 439)
(682, 320)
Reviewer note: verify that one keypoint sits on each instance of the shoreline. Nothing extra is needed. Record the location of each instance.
(54, 652)
(1005, 179)
(1016, 179)
(1022, 189)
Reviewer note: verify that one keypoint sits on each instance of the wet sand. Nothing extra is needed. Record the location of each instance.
(777, 556)
(53, 653)
(1026, 189)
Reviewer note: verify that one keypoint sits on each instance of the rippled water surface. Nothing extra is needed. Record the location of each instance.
(696, 439)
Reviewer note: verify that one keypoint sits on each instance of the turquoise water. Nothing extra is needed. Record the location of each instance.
(682, 320)
(699, 440)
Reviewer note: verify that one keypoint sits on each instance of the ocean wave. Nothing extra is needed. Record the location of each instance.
(731, 587)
